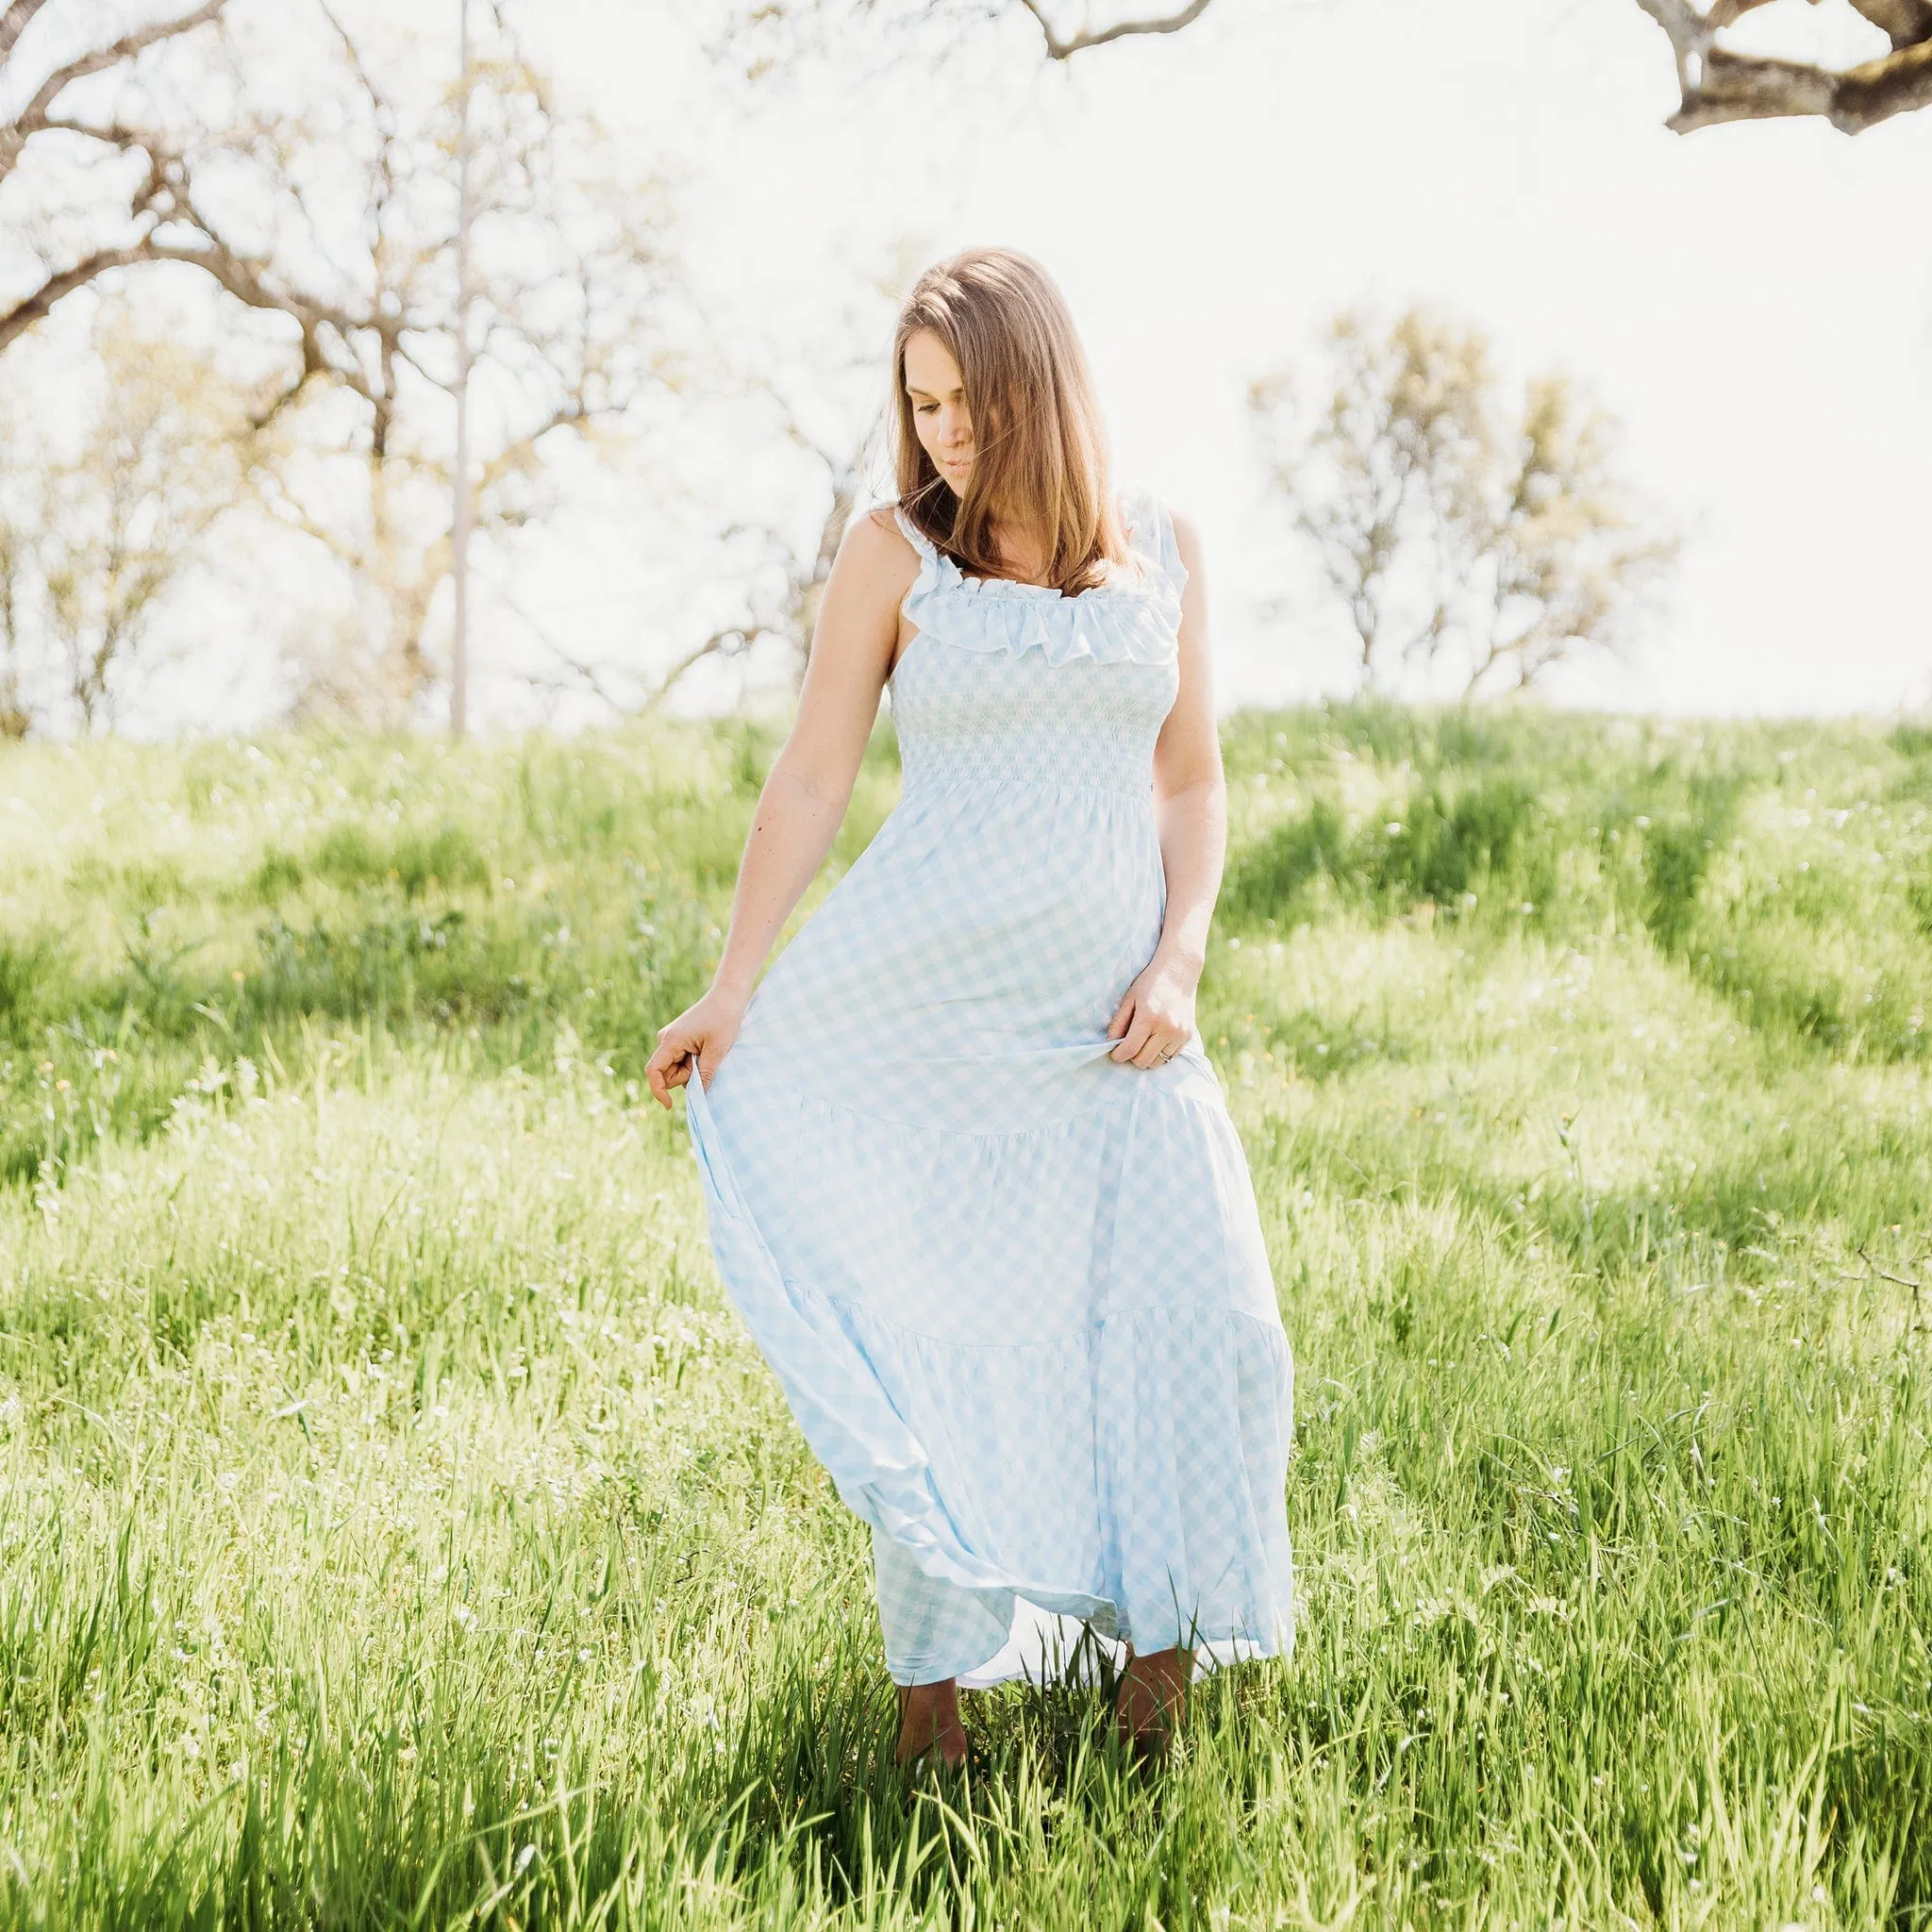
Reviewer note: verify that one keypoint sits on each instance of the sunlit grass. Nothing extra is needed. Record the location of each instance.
(396, 1527)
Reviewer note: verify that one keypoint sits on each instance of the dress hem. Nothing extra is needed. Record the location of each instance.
(875, 1457)
(1037, 1640)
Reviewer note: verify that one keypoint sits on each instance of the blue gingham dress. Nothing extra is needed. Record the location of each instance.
(1016, 1291)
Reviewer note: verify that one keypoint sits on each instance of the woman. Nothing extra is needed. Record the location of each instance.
(969, 1173)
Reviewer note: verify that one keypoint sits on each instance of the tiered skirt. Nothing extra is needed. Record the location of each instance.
(1043, 1362)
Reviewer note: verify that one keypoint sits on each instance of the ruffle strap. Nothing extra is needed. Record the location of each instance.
(1133, 621)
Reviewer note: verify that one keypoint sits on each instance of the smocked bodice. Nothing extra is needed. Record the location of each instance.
(1017, 684)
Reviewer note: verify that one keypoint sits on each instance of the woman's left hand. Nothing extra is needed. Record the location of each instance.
(1156, 1016)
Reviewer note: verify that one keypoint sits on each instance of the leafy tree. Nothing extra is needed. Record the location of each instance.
(573, 300)
(100, 520)
(1456, 527)
(301, 166)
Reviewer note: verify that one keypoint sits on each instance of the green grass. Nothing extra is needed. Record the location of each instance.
(397, 1527)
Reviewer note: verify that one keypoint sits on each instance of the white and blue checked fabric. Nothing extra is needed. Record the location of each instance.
(1016, 1291)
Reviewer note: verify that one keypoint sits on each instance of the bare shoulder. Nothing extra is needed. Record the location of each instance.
(1187, 537)
(873, 573)
(877, 544)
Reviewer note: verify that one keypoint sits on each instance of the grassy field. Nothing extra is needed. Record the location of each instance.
(397, 1528)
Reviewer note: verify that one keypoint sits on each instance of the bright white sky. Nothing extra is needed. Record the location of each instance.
(1754, 302)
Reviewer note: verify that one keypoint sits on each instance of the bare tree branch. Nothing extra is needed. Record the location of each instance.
(238, 276)
(101, 59)
(22, 317)
(34, 118)
(1064, 48)
(1903, 23)
(158, 198)
(572, 284)
(1716, 84)
(579, 668)
(729, 641)
(772, 32)
(11, 23)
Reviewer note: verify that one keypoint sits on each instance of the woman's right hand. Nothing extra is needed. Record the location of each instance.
(706, 1029)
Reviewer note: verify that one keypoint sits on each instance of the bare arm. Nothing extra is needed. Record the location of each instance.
(1189, 788)
(1156, 1015)
(804, 794)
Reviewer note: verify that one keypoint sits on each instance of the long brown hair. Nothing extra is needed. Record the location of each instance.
(1040, 449)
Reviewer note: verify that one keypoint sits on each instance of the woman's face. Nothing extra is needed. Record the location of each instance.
(939, 406)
